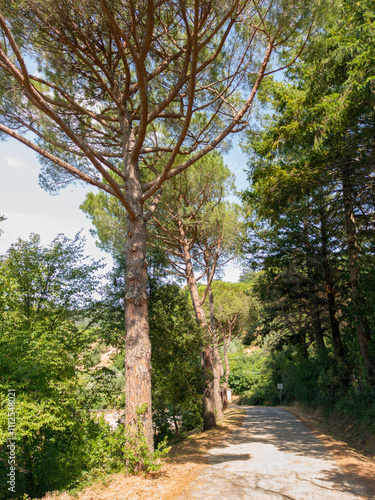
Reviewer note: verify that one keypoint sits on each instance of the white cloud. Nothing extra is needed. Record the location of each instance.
(232, 273)
(14, 162)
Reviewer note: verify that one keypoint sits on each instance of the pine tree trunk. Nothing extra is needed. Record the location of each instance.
(225, 394)
(226, 345)
(315, 318)
(217, 373)
(137, 346)
(363, 331)
(217, 365)
(331, 297)
(209, 419)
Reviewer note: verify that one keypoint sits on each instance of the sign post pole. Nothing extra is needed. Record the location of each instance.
(280, 387)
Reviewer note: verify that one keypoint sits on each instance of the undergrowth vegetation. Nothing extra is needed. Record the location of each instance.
(80, 452)
(51, 365)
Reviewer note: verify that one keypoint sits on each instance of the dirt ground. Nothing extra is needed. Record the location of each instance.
(187, 460)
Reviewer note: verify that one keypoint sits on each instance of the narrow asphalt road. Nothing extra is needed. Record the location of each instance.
(272, 456)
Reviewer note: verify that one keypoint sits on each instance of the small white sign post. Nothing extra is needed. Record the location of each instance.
(280, 387)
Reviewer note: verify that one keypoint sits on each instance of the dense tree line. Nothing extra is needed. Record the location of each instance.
(311, 204)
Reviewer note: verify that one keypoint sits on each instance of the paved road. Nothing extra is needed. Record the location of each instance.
(272, 456)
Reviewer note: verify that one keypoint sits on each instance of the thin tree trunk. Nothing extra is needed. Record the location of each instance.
(226, 344)
(177, 430)
(217, 371)
(331, 297)
(209, 420)
(299, 333)
(138, 346)
(363, 330)
(217, 365)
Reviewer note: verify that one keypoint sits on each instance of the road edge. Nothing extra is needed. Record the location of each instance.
(358, 468)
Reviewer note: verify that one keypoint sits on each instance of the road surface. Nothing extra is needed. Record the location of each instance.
(272, 456)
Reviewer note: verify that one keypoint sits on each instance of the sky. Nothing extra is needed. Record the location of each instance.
(30, 209)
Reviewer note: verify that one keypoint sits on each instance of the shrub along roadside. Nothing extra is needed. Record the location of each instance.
(48, 323)
(73, 456)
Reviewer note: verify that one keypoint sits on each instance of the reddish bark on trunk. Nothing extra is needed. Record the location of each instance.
(217, 365)
(209, 420)
(137, 346)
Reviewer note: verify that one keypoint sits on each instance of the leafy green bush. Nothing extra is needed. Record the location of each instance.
(104, 388)
(107, 451)
(47, 316)
(82, 450)
(301, 377)
(45, 442)
(245, 371)
(176, 370)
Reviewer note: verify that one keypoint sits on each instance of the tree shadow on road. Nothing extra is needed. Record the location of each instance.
(195, 447)
(269, 428)
(279, 428)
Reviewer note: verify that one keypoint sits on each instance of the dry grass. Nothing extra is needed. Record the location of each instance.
(359, 467)
(180, 467)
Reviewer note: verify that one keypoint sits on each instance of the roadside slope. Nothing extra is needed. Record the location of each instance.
(357, 463)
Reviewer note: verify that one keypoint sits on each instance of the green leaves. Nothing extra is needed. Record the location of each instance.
(235, 307)
(311, 171)
(46, 305)
(176, 371)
